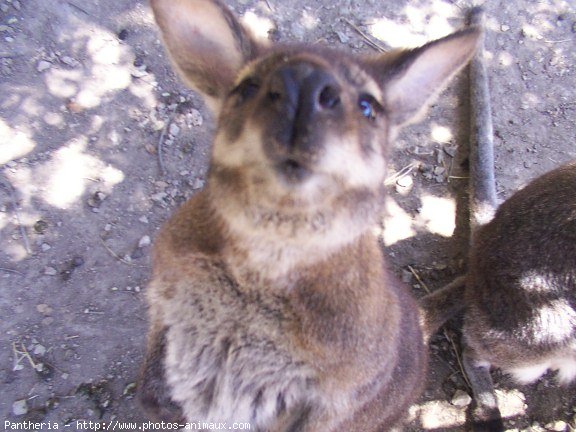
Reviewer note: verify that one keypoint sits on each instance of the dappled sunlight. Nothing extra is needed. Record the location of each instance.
(309, 21)
(437, 215)
(71, 168)
(14, 143)
(143, 91)
(63, 83)
(397, 224)
(258, 25)
(395, 34)
(4, 220)
(424, 23)
(439, 414)
(530, 100)
(441, 134)
(106, 68)
(15, 251)
(110, 70)
(512, 403)
(505, 59)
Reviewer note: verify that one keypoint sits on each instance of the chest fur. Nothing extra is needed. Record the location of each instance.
(245, 354)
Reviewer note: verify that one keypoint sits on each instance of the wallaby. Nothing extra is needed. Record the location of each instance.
(270, 302)
(520, 289)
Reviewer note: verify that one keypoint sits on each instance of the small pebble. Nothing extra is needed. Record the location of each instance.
(77, 261)
(407, 276)
(20, 407)
(405, 181)
(159, 196)
(198, 184)
(43, 65)
(44, 309)
(557, 426)
(439, 170)
(139, 73)
(196, 118)
(96, 199)
(344, 39)
(144, 241)
(70, 61)
(39, 350)
(461, 399)
(50, 271)
(45, 247)
(174, 129)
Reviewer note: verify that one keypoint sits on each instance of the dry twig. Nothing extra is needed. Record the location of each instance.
(12, 192)
(7, 270)
(161, 141)
(22, 353)
(114, 254)
(400, 174)
(366, 37)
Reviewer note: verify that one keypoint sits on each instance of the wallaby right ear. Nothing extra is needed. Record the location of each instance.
(412, 78)
(206, 43)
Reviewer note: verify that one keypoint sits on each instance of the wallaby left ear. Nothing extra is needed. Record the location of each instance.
(207, 44)
(410, 79)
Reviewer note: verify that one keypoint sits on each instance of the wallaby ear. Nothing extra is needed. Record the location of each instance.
(410, 79)
(206, 43)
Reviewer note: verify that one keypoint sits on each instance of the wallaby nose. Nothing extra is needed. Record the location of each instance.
(304, 87)
(301, 93)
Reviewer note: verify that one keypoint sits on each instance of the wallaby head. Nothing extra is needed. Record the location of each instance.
(269, 300)
(303, 131)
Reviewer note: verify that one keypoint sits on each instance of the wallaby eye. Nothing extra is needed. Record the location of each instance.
(247, 89)
(369, 107)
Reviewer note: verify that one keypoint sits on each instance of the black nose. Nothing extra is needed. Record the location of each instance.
(302, 93)
(304, 86)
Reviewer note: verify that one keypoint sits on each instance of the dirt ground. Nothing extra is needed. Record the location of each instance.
(99, 143)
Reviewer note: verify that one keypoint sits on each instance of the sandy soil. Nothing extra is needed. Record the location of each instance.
(99, 143)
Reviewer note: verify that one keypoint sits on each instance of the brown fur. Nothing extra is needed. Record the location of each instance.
(270, 302)
(519, 295)
(523, 261)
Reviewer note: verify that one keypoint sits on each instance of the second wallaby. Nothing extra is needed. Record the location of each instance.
(519, 295)
(270, 302)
